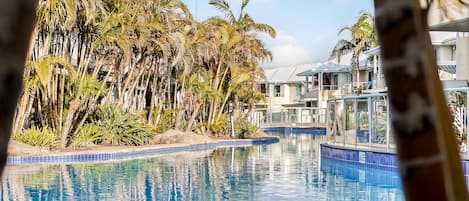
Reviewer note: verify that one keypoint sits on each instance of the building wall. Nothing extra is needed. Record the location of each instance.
(294, 97)
(445, 75)
(462, 57)
(444, 53)
(363, 75)
(287, 95)
(343, 79)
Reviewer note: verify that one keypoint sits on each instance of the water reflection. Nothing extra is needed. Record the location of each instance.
(289, 170)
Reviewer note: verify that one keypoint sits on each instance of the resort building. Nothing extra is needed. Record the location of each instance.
(332, 79)
(282, 87)
(284, 97)
(363, 120)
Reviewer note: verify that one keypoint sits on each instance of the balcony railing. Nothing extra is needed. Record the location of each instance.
(330, 87)
(364, 121)
(310, 94)
(350, 88)
(298, 116)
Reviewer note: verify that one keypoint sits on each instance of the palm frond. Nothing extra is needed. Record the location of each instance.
(244, 4)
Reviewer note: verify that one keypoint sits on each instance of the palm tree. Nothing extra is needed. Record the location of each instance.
(426, 144)
(14, 48)
(363, 37)
(243, 22)
(137, 55)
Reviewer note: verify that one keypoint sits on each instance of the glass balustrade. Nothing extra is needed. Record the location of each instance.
(364, 121)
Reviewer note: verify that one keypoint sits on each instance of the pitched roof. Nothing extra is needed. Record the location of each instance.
(287, 74)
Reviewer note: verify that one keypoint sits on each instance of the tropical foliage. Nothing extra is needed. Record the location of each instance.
(111, 63)
(363, 37)
(43, 138)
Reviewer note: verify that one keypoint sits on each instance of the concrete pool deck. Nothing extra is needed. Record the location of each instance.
(112, 153)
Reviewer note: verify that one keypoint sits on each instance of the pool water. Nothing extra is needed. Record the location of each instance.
(289, 170)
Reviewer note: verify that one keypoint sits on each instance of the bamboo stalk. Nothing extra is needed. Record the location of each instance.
(429, 161)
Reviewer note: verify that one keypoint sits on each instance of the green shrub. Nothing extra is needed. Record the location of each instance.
(166, 120)
(122, 128)
(43, 138)
(89, 134)
(244, 129)
(219, 123)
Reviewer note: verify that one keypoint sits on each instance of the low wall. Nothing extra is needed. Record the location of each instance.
(140, 152)
(369, 158)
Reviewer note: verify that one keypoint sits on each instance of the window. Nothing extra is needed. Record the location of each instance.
(263, 88)
(335, 81)
(297, 89)
(315, 80)
(277, 91)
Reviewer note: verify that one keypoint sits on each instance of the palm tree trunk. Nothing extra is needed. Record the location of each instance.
(74, 106)
(193, 116)
(429, 161)
(17, 18)
(182, 111)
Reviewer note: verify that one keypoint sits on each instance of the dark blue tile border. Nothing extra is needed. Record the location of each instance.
(147, 152)
(368, 158)
(368, 175)
(313, 131)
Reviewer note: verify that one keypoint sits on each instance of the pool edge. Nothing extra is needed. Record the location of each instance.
(135, 153)
(368, 158)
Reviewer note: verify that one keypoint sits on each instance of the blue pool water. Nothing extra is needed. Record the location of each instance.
(288, 170)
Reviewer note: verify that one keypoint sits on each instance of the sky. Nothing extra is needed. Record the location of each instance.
(306, 29)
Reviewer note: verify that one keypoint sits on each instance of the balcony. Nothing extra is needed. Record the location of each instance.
(306, 117)
(310, 94)
(350, 89)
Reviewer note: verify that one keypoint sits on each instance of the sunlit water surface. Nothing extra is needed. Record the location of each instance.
(290, 170)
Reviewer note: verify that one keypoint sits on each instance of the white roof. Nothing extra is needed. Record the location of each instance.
(443, 38)
(332, 67)
(437, 37)
(347, 59)
(287, 74)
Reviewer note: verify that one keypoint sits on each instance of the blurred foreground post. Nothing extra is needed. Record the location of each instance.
(429, 161)
(16, 24)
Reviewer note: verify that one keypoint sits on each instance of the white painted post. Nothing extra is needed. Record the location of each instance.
(388, 124)
(370, 121)
(467, 118)
(327, 120)
(334, 126)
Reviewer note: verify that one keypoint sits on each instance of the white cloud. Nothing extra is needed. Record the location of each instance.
(285, 50)
(287, 55)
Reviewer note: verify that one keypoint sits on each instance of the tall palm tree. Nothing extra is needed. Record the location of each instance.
(363, 37)
(243, 22)
(14, 42)
(429, 161)
(137, 55)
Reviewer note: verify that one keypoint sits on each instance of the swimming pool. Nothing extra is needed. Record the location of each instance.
(288, 170)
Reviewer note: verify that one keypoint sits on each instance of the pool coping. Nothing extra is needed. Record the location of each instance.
(123, 153)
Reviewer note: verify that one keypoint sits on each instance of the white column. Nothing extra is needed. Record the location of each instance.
(286, 93)
(462, 56)
(320, 101)
(375, 72)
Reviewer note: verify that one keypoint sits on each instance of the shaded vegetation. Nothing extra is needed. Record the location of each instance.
(118, 71)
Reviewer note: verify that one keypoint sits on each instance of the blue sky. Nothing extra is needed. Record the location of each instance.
(306, 29)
